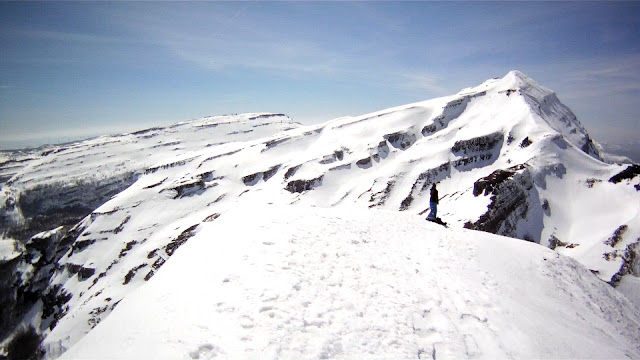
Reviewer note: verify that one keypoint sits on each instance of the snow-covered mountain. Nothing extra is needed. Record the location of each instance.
(294, 282)
(88, 224)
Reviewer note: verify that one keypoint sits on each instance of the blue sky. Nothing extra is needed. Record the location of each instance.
(74, 69)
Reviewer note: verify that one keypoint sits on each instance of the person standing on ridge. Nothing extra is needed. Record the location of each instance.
(433, 202)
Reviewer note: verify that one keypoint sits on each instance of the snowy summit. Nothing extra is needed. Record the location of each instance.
(252, 236)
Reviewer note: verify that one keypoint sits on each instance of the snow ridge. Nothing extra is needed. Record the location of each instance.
(310, 283)
(509, 158)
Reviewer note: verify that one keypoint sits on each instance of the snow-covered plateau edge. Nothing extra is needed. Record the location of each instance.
(297, 282)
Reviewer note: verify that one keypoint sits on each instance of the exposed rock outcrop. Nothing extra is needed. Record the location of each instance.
(511, 200)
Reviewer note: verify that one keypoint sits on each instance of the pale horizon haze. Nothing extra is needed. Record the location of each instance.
(71, 70)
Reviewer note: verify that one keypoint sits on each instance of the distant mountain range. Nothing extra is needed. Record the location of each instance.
(629, 148)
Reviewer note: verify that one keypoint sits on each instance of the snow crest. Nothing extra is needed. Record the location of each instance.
(303, 283)
(509, 159)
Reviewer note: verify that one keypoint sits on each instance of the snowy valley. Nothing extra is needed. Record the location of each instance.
(251, 235)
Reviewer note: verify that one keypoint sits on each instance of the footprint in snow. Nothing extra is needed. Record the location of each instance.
(205, 351)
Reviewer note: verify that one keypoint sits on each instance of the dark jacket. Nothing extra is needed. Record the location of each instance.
(434, 195)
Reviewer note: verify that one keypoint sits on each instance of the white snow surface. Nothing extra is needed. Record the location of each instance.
(345, 180)
(297, 282)
(8, 250)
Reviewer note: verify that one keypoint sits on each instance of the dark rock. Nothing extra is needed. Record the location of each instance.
(172, 143)
(617, 236)
(156, 184)
(591, 182)
(266, 116)
(364, 163)
(510, 202)
(95, 315)
(429, 129)
(192, 187)
(158, 263)
(401, 140)
(379, 198)
(627, 174)
(629, 261)
(11, 306)
(214, 157)
(328, 159)
(171, 165)
(43, 210)
(240, 132)
(252, 179)
(149, 275)
(119, 228)
(275, 142)
(83, 272)
(341, 167)
(26, 344)
(222, 197)
(546, 207)
(19, 292)
(489, 183)
(554, 242)
(211, 217)
(53, 304)
(466, 161)
(208, 176)
(590, 148)
(291, 171)
(450, 112)
(406, 202)
(269, 173)
(383, 149)
(126, 249)
(525, 142)
(132, 273)
(171, 247)
(298, 186)
(478, 144)
(80, 245)
(142, 132)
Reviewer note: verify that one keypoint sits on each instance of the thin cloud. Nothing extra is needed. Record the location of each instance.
(602, 77)
(422, 81)
(75, 37)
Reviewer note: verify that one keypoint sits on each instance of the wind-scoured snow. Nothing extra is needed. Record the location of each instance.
(112, 214)
(65, 173)
(294, 282)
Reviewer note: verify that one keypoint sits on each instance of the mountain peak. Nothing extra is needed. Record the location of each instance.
(512, 81)
(506, 154)
(518, 75)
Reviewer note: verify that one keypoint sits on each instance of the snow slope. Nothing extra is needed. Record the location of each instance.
(510, 159)
(55, 187)
(295, 282)
(75, 178)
